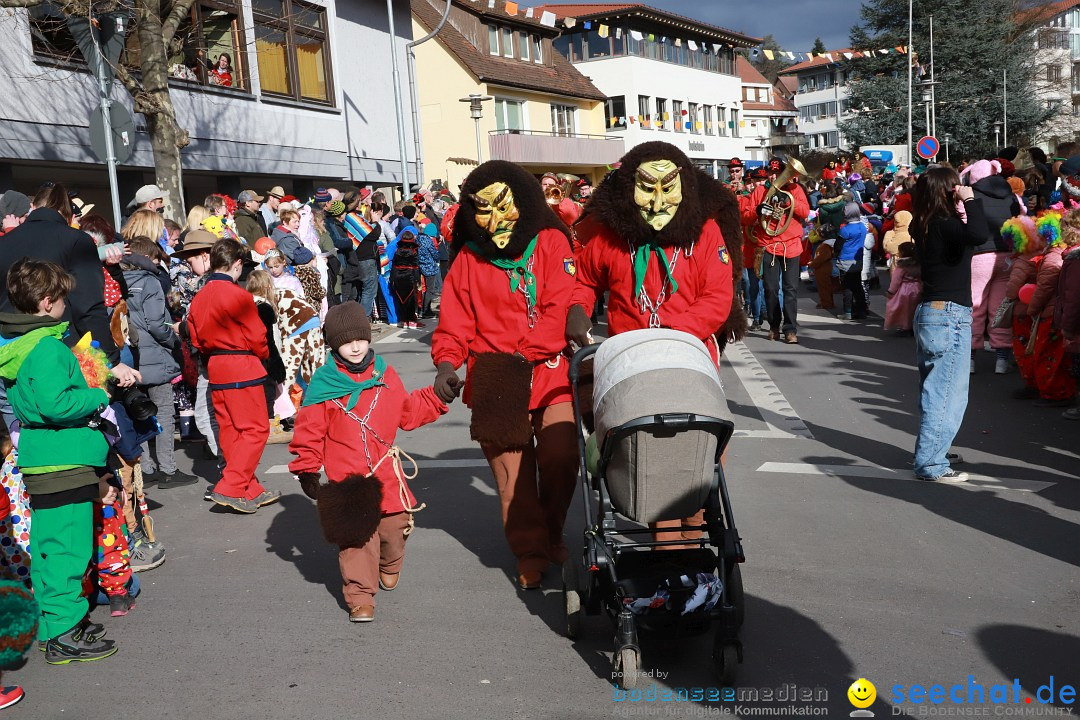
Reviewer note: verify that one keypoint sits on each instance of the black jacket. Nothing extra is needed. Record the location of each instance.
(999, 204)
(45, 236)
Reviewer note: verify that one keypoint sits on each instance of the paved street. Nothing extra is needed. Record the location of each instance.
(853, 568)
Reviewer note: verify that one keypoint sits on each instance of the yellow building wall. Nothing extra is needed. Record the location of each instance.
(448, 131)
(446, 127)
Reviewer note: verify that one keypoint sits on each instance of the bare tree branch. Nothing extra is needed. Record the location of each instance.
(181, 9)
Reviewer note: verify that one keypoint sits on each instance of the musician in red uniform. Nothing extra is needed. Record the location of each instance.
(224, 324)
(503, 313)
(778, 257)
(667, 247)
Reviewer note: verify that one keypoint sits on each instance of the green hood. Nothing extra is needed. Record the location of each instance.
(13, 325)
(13, 352)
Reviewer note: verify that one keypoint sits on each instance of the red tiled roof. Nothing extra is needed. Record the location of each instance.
(559, 78)
(816, 61)
(1041, 13)
(590, 11)
(750, 74)
(791, 84)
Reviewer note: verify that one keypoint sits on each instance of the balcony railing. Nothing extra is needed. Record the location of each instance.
(550, 148)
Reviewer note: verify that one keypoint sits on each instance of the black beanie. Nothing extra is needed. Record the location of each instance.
(344, 323)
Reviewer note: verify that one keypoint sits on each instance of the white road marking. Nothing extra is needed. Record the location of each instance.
(975, 480)
(483, 487)
(775, 410)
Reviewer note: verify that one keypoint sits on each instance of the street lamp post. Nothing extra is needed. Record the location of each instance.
(476, 111)
(997, 133)
(764, 140)
(947, 138)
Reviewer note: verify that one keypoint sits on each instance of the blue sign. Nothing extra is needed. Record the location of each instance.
(883, 157)
(928, 147)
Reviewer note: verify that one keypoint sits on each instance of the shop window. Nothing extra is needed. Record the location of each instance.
(293, 50)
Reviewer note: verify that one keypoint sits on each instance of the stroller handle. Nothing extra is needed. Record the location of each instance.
(579, 358)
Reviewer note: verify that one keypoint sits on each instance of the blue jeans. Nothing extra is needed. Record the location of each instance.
(943, 352)
(369, 284)
(755, 295)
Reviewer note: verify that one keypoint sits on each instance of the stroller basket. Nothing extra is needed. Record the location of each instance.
(651, 387)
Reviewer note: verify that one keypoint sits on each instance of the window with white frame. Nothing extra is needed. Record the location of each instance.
(509, 114)
(660, 119)
(677, 111)
(735, 132)
(693, 116)
(643, 111)
(493, 39)
(524, 45)
(507, 42)
(537, 49)
(721, 120)
(709, 130)
(562, 119)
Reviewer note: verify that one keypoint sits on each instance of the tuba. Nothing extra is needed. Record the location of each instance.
(781, 203)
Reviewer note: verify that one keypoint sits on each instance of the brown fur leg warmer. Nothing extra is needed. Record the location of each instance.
(501, 389)
(350, 510)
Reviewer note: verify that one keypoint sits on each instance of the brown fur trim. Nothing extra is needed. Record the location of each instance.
(501, 390)
(535, 214)
(350, 510)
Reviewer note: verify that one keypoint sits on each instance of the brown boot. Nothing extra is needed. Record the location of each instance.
(791, 339)
(774, 334)
(362, 613)
(388, 581)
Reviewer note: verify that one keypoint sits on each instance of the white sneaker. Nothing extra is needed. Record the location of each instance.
(1004, 366)
(951, 477)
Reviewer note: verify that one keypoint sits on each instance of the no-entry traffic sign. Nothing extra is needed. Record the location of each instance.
(928, 147)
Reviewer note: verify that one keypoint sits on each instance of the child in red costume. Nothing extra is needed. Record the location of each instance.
(354, 406)
(504, 302)
(224, 324)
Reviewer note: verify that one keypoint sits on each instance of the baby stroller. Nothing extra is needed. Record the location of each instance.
(660, 426)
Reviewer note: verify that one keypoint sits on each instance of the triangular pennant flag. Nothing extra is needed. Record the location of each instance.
(511, 8)
(491, 4)
(827, 56)
(716, 48)
(901, 49)
(699, 125)
(753, 52)
(790, 55)
(632, 119)
(848, 55)
(618, 33)
(614, 121)
(768, 53)
(687, 124)
(528, 12)
(635, 34)
(569, 23)
(663, 40)
(692, 45)
(667, 116)
(603, 31)
(547, 19)
(652, 37)
(588, 25)
(858, 54)
(678, 42)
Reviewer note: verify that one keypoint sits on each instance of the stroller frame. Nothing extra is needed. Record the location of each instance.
(591, 582)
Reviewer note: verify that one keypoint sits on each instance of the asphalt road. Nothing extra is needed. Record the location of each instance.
(854, 569)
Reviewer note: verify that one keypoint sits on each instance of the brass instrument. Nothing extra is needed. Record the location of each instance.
(554, 195)
(781, 203)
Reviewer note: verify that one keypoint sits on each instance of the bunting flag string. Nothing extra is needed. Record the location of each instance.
(550, 19)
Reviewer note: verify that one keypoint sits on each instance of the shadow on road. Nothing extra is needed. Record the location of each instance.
(1031, 655)
(294, 536)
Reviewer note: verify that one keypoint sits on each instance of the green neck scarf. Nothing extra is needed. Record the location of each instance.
(330, 383)
(518, 269)
(641, 267)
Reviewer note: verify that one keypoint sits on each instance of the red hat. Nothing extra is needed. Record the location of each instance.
(289, 198)
(735, 162)
(417, 198)
(759, 173)
(775, 166)
(365, 193)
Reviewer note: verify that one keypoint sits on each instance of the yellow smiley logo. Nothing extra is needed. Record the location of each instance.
(862, 693)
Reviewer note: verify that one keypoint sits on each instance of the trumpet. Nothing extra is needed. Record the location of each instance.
(780, 202)
(554, 195)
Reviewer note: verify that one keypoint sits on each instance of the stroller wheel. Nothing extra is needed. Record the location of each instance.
(626, 667)
(571, 600)
(726, 664)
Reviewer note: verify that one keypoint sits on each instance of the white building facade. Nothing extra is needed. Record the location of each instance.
(1056, 53)
(771, 119)
(309, 100)
(666, 77)
(822, 101)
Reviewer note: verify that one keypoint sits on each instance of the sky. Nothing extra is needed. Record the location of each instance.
(794, 23)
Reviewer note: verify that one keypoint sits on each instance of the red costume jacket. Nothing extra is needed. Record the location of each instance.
(789, 243)
(224, 324)
(326, 437)
(480, 314)
(701, 304)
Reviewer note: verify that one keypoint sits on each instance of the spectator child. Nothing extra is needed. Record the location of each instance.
(822, 265)
(262, 290)
(1056, 387)
(54, 406)
(357, 400)
(849, 260)
(281, 277)
(405, 277)
(311, 282)
(428, 257)
(224, 324)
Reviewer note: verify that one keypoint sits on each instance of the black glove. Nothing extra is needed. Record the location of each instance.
(578, 326)
(447, 383)
(309, 483)
(764, 210)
